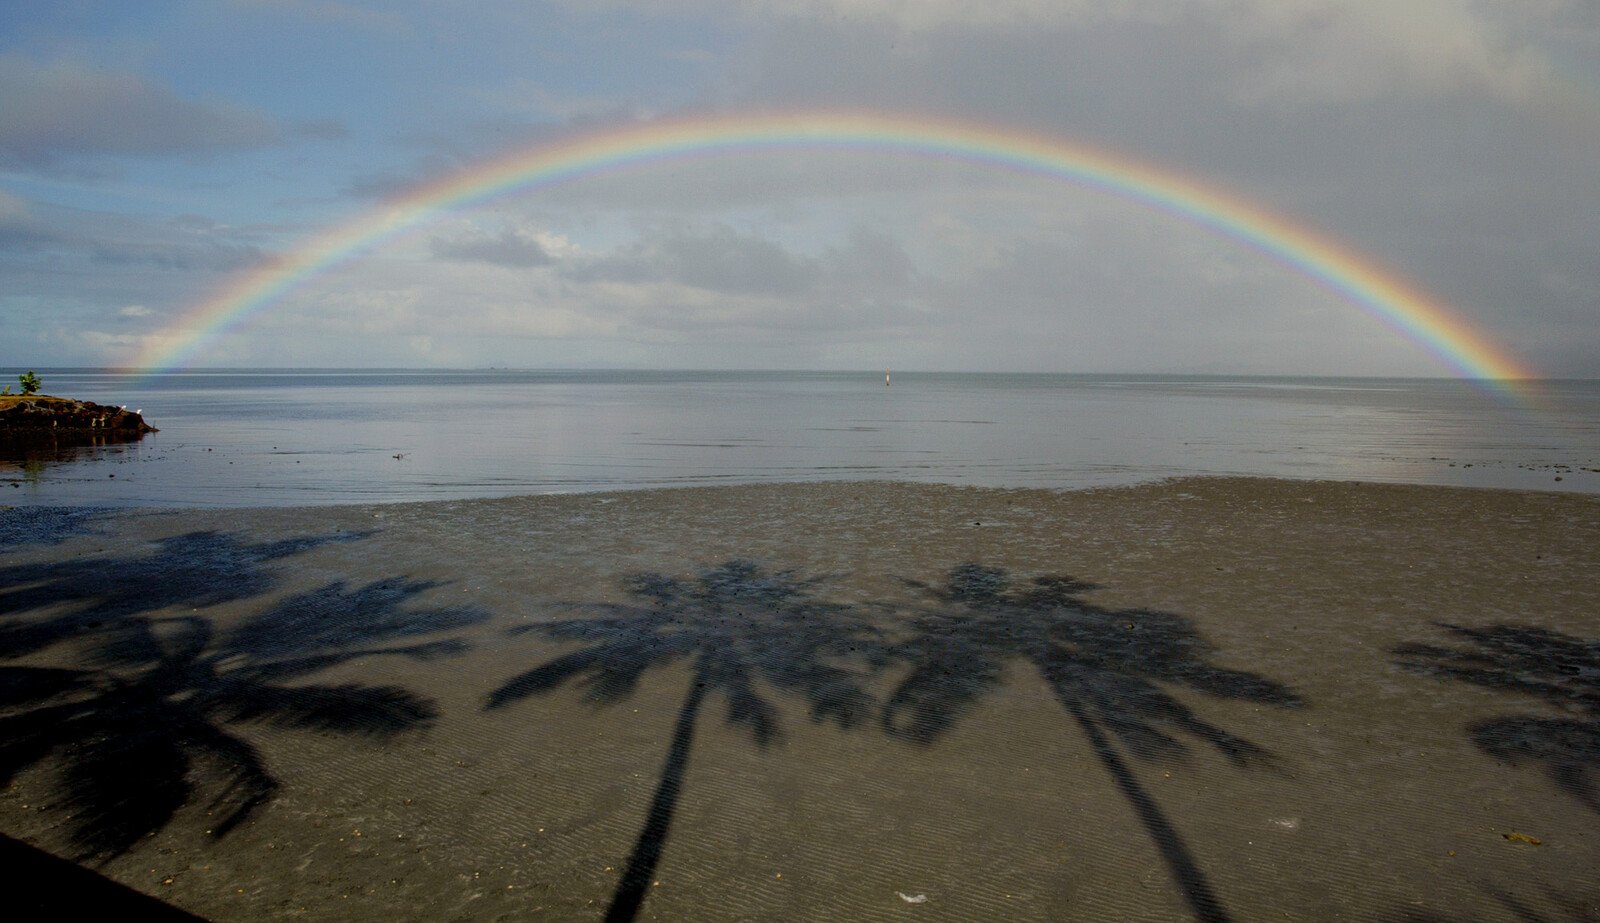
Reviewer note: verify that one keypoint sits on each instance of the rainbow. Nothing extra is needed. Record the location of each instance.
(1437, 329)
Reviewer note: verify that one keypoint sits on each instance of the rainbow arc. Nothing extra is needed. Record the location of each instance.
(1437, 329)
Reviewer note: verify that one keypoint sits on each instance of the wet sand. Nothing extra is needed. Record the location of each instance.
(1201, 699)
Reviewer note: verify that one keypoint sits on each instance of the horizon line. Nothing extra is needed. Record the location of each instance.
(189, 370)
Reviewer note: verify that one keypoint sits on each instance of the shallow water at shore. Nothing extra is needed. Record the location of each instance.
(303, 438)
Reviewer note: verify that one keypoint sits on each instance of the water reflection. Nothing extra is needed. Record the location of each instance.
(29, 454)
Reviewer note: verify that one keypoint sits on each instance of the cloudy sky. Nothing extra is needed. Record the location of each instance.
(151, 152)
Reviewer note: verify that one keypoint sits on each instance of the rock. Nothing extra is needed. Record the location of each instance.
(36, 414)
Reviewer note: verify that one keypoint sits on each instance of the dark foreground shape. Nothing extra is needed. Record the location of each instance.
(751, 633)
(38, 413)
(1110, 669)
(1560, 670)
(36, 886)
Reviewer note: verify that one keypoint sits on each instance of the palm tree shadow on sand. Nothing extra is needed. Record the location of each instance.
(1108, 669)
(1558, 669)
(736, 625)
(148, 719)
(82, 596)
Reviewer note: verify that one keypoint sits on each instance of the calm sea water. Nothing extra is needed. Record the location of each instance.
(252, 438)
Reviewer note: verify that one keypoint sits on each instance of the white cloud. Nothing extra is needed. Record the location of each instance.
(92, 346)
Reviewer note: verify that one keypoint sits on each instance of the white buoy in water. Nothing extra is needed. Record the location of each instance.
(886, 378)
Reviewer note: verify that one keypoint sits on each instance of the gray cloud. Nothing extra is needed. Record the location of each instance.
(378, 185)
(64, 110)
(330, 13)
(209, 255)
(718, 259)
(1119, 292)
(1291, 52)
(511, 248)
(861, 291)
(387, 183)
(64, 266)
(73, 235)
(703, 292)
(871, 260)
(1434, 138)
(323, 130)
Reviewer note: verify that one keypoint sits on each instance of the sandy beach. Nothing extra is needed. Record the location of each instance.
(1219, 698)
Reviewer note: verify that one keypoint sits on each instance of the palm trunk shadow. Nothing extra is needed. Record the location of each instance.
(1180, 862)
(652, 840)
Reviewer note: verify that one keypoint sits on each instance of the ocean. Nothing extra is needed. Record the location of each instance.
(294, 438)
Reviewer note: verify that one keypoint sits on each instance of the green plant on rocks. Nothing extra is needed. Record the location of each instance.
(30, 382)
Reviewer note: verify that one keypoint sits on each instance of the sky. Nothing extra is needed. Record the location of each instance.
(154, 153)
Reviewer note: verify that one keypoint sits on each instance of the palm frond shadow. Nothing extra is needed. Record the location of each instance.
(138, 733)
(1559, 670)
(746, 633)
(84, 595)
(1109, 669)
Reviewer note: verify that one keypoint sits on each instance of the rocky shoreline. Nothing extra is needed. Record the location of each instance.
(36, 414)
